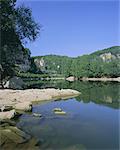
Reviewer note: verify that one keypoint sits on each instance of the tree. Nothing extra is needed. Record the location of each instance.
(17, 26)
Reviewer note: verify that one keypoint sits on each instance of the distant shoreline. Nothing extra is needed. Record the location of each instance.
(104, 79)
(100, 79)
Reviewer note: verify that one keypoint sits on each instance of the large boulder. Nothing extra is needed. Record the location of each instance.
(14, 138)
(14, 83)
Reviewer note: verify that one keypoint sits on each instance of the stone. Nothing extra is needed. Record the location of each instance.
(59, 111)
(24, 106)
(8, 121)
(7, 115)
(14, 83)
(67, 93)
(6, 108)
(71, 78)
(13, 138)
(37, 115)
(7, 133)
(19, 132)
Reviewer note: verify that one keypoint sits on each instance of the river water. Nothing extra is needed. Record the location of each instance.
(91, 121)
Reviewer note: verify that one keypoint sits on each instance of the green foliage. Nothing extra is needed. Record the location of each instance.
(113, 50)
(31, 75)
(16, 26)
(26, 27)
(85, 66)
(56, 64)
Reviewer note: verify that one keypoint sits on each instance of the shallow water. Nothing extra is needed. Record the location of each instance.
(91, 122)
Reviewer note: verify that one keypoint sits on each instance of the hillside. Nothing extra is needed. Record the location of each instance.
(102, 63)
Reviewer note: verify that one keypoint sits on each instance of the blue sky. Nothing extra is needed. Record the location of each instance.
(74, 28)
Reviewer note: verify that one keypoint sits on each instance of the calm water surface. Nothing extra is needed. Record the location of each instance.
(91, 122)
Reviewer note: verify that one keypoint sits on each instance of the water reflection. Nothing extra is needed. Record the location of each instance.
(87, 125)
(105, 93)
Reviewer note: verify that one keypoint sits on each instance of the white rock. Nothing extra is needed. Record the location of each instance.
(24, 106)
(7, 114)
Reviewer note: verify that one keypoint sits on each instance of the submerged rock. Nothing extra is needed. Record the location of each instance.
(75, 147)
(8, 122)
(37, 115)
(59, 111)
(13, 138)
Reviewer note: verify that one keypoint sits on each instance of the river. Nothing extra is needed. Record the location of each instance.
(91, 121)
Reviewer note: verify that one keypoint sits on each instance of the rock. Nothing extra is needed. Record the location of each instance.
(7, 121)
(67, 93)
(12, 136)
(2, 108)
(32, 144)
(40, 64)
(24, 106)
(75, 147)
(37, 115)
(19, 132)
(59, 111)
(14, 83)
(7, 115)
(14, 97)
(7, 133)
(6, 108)
(71, 78)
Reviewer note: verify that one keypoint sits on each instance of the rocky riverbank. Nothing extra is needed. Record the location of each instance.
(15, 102)
(23, 99)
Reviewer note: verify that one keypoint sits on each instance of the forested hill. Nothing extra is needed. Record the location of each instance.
(102, 63)
(115, 50)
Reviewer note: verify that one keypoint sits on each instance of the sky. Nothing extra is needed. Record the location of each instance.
(74, 28)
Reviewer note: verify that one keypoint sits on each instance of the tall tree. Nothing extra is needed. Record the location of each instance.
(16, 27)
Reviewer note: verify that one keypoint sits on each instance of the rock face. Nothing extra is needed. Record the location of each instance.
(107, 57)
(14, 83)
(40, 64)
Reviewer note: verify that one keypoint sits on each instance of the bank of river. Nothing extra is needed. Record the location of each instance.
(15, 103)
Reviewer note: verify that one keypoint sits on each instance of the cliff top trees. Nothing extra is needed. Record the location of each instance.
(16, 27)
